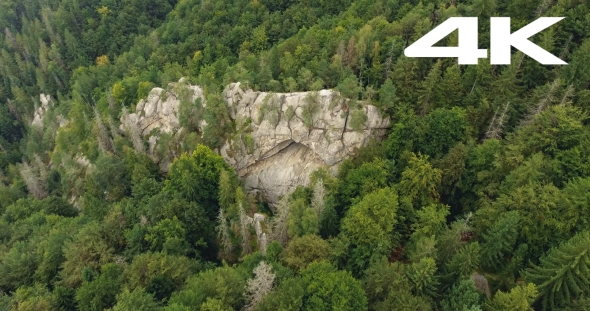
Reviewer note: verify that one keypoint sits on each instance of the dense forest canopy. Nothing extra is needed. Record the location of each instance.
(478, 199)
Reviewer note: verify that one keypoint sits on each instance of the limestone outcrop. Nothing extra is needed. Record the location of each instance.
(284, 137)
(159, 111)
(281, 138)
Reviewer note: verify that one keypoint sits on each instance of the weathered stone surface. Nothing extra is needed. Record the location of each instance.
(159, 111)
(286, 151)
(275, 151)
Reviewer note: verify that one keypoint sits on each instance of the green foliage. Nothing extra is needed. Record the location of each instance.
(196, 178)
(100, 292)
(303, 219)
(310, 109)
(387, 96)
(500, 239)
(224, 284)
(304, 250)
(358, 118)
(318, 287)
(363, 180)
(463, 296)
(168, 236)
(109, 179)
(518, 299)
(388, 288)
(135, 300)
(443, 128)
(369, 225)
(488, 167)
(420, 180)
(560, 276)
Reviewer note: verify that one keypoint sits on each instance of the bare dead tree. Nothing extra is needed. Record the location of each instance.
(259, 286)
(389, 61)
(223, 234)
(544, 102)
(569, 92)
(565, 50)
(134, 133)
(41, 167)
(245, 222)
(318, 199)
(33, 181)
(543, 7)
(481, 284)
(497, 124)
(104, 141)
(278, 224)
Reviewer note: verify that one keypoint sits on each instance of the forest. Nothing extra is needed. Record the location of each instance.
(477, 199)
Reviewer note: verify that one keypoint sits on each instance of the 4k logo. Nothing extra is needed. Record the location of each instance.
(501, 39)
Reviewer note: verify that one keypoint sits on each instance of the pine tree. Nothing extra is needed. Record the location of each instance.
(562, 275)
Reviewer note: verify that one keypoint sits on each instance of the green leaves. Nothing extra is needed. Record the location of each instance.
(369, 225)
(196, 178)
(318, 287)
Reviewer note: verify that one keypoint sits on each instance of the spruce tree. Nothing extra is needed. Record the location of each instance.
(563, 275)
(500, 239)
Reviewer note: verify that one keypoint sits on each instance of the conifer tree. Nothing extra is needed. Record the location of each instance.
(518, 299)
(387, 96)
(430, 89)
(462, 297)
(500, 239)
(562, 275)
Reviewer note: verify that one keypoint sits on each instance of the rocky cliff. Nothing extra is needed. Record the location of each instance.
(287, 136)
(281, 138)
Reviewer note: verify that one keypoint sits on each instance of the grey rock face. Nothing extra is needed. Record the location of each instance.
(287, 136)
(282, 138)
(159, 111)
